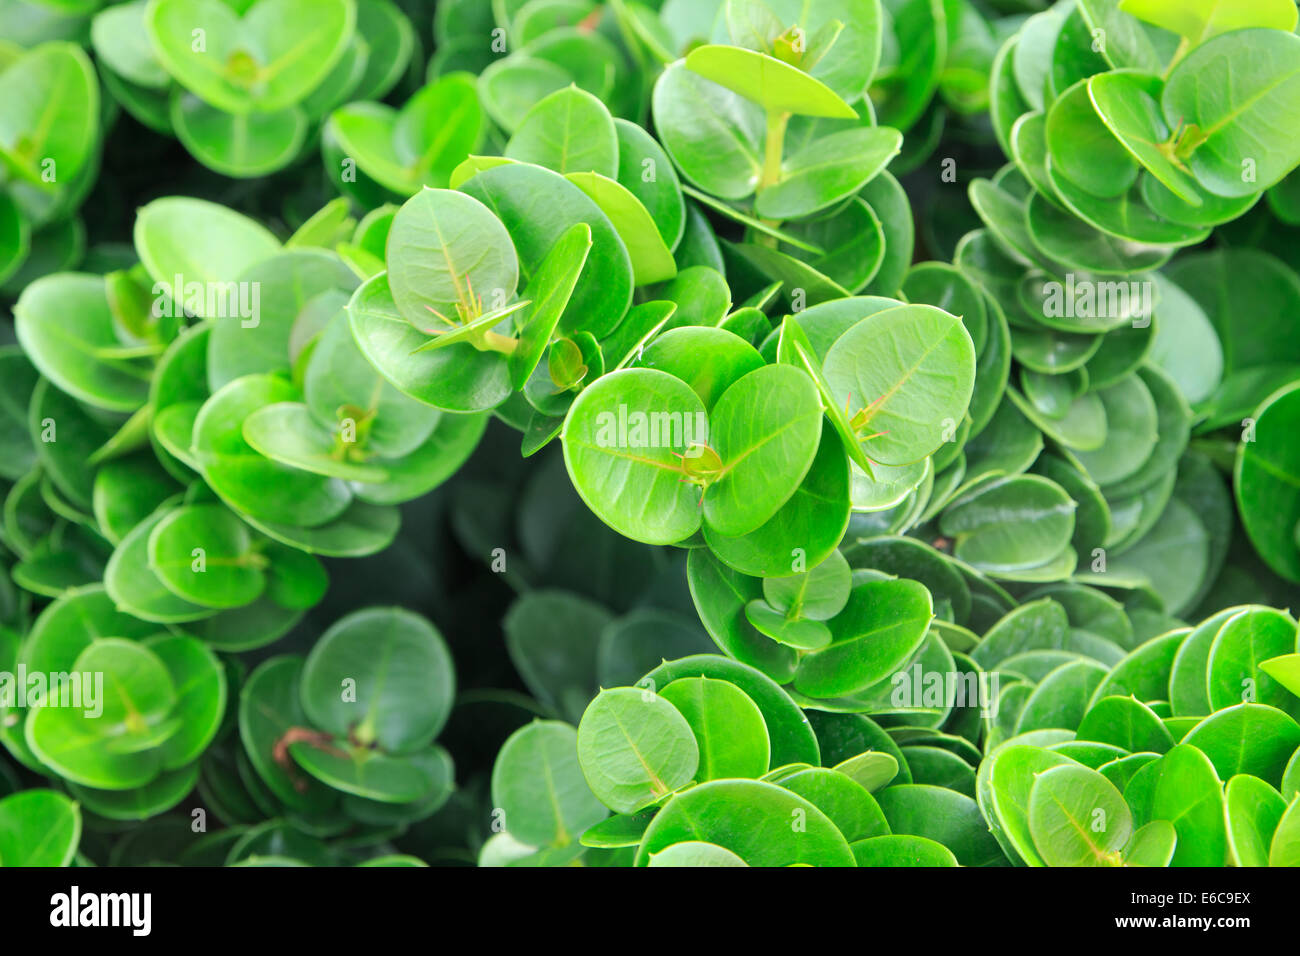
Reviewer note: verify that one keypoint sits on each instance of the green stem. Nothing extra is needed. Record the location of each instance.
(1183, 46)
(254, 559)
(773, 148)
(496, 342)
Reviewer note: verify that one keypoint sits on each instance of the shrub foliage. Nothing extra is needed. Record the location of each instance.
(709, 433)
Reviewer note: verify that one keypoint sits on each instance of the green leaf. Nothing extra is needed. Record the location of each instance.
(270, 58)
(1071, 240)
(246, 480)
(729, 729)
(1131, 432)
(363, 528)
(39, 828)
(870, 770)
(911, 370)
(1152, 845)
(1234, 91)
(201, 693)
(774, 85)
(537, 207)
(880, 628)
(1182, 787)
(1003, 786)
(619, 830)
(765, 430)
(1285, 670)
(116, 748)
(801, 635)
(137, 588)
(1034, 625)
(1233, 669)
(510, 86)
(1285, 848)
(569, 131)
(713, 135)
(921, 35)
(542, 757)
(1126, 723)
(635, 749)
(421, 144)
(1078, 818)
(1247, 738)
(709, 360)
(1199, 20)
(791, 735)
(626, 432)
(1010, 524)
(942, 815)
(1129, 104)
(380, 676)
(391, 39)
(753, 820)
(826, 171)
(902, 850)
(204, 554)
(1266, 484)
(234, 144)
(807, 528)
(448, 251)
(285, 432)
(197, 242)
(1254, 811)
(817, 594)
(377, 776)
(1083, 149)
(63, 323)
(645, 169)
(1061, 698)
(721, 595)
(695, 853)
(255, 336)
(49, 123)
(346, 394)
(852, 240)
(651, 259)
(458, 378)
(1187, 349)
(701, 296)
(845, 801)
(269, 707)
(127, 491)
(548, 292)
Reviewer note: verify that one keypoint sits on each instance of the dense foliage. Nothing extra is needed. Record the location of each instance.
(697, 432)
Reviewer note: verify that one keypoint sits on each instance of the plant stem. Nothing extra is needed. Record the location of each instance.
(773, 148)
(496, 342)
(1179, 53)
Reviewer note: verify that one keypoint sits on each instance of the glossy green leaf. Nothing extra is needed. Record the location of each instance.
(751, 819)
(729, 729)
(1078, 818)
(911, 371)
(635, 749)
(380, 676)
(1229, 123)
